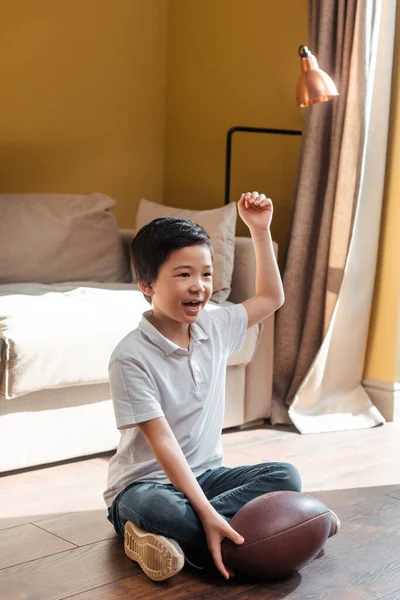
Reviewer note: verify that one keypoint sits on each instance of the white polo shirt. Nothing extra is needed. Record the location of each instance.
(152, 377)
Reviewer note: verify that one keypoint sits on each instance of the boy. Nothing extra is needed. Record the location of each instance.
(168, 493)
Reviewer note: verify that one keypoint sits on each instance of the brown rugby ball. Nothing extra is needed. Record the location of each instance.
(282, 530)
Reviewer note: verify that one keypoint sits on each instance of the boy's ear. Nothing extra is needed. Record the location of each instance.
(146, 288)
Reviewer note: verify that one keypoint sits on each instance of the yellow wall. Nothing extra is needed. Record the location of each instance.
(222, 72)
(232, 62)
(102, 96)
(83, 98)
(383, 356)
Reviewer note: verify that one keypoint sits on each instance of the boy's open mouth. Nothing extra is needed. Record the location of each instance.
(192, 303)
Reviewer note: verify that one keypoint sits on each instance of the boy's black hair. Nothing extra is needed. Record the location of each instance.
(154, 243)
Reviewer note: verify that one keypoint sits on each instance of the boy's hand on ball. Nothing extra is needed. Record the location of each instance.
(216, 529)
(255, 210)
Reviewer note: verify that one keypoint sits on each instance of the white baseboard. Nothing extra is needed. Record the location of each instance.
(385, 396)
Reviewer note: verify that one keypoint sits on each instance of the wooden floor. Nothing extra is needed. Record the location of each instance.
(55, 542)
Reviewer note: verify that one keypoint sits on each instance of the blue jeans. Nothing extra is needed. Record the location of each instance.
(161, 509)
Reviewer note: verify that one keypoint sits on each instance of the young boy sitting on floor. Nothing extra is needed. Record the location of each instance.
(168, 493)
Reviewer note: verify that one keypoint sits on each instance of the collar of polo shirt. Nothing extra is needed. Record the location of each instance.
(196, 334)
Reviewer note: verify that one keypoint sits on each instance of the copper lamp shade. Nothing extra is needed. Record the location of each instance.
(314, 85)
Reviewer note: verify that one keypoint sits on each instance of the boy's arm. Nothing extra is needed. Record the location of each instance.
(169, 455)
(256, 211)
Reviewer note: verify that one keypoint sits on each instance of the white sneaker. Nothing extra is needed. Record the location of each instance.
(335, 525)
(159, 557)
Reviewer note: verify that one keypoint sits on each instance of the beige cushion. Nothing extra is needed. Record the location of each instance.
(220, 224)
(61, 335)
(51, 238)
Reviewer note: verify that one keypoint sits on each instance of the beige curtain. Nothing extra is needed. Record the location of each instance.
(321, 331)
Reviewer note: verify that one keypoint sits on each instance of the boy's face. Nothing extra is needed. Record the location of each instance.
(184, 284)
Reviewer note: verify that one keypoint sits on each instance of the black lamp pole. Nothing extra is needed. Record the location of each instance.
(229, 149)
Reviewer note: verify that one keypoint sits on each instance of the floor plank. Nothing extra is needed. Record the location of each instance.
(67, 573)
(36, 494)
(355, 473)
(365, 498)
(396, 492)
(27, 542)
(15, 520)
(80, 528)
(187, 585)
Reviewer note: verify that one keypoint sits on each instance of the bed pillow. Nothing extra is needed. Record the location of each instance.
(220, 224)
(51, 238)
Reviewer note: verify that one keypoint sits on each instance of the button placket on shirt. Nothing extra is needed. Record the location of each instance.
(197, 375)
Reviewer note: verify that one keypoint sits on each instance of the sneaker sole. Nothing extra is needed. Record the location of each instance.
(158, 558)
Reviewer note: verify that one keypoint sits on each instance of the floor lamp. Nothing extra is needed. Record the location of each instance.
(314, 86)
(228, 158)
